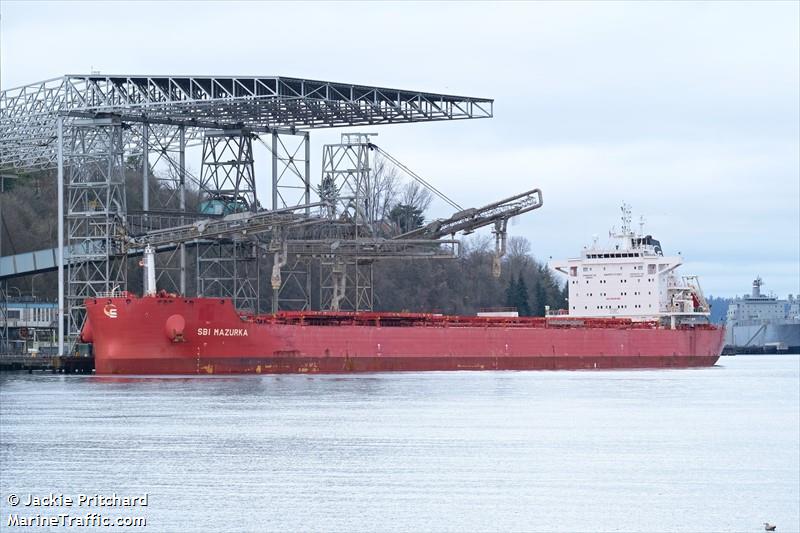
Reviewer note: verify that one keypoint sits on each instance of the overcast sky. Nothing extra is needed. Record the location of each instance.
(690, 112)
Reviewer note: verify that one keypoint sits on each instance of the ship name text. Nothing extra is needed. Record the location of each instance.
(221, 332)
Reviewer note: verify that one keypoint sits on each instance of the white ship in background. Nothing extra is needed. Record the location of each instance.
(757, 322)
(632, 278)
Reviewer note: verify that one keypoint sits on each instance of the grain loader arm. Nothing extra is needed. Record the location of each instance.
(468, 220)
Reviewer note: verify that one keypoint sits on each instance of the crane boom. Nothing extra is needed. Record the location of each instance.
(237, 224)
(469, 220)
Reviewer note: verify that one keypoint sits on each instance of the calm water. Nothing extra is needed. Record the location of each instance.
(714, 449)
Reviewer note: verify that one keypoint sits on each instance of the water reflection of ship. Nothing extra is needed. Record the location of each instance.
(763, 324)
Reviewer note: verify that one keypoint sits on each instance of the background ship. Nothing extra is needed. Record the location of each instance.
(760, 323)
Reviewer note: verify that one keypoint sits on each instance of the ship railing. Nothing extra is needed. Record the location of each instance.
(114, 293)
(497, 309)
(328, 318)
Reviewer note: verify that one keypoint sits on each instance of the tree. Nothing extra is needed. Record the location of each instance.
(382, 192)
(511, 293)
(517, 295)
(407, 217)
(540, 300)
(416, 195)
(523, 303)
(409, 212)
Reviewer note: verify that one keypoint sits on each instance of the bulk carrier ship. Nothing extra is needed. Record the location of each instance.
(627, 309)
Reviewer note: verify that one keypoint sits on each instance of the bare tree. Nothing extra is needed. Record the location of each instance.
(519, 247)
(382, 195)
(414, 194)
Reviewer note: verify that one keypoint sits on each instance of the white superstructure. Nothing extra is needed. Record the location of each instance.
(631, 278)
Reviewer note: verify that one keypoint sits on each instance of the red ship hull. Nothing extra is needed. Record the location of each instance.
(175, 335)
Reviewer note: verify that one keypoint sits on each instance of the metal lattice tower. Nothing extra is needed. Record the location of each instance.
(291, 169)
(229, 268)
(95, 216)
(164, 198)
(346, 183)
(291, 186)
(346, 284)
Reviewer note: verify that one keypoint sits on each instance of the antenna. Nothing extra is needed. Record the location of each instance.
(626, 218)
(641, 226)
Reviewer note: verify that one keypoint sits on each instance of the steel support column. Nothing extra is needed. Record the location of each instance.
(291, 186)
(61, 281)
(182, 201)
(3, 289)
(164, 198)
(346, 184)
(346, 284)
(295, 290)
(228, 268)
(145, 168)
(96, 211)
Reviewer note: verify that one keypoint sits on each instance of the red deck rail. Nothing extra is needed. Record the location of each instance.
(330, 318)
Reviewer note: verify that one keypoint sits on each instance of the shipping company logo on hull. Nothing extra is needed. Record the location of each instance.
(222, 332)
(110, 310)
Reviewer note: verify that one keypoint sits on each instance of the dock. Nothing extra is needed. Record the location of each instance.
(68, 364)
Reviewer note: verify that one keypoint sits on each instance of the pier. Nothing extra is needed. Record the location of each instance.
(65, 364)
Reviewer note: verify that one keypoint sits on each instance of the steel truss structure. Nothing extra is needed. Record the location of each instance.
(229, 268)
(348, 187)
(261, 104)
(96, 211)
(164, 199)
(92, 128)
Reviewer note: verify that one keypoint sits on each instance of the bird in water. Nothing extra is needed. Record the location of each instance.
(768, 527)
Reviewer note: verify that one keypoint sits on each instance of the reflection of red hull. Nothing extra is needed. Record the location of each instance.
(174, 335)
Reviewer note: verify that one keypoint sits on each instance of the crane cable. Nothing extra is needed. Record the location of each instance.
(416, 177)
(419, 179)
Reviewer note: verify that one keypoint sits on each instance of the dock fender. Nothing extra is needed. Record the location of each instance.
(174, 328)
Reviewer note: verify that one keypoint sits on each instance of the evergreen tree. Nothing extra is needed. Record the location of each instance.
(511, 292)
(522, 301)
(540, 298)
(407, 217)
